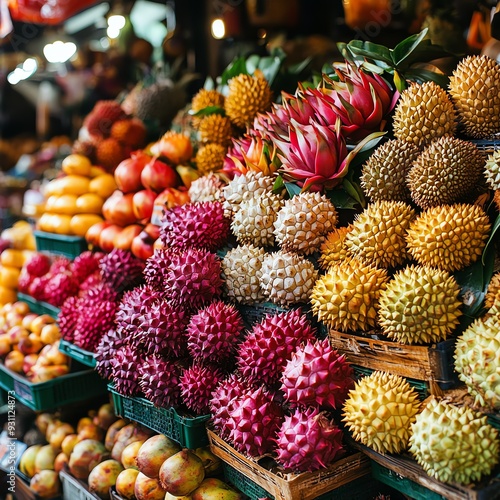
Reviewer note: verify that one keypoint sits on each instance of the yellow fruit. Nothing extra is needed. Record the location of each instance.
(54, 187)
(9, 277)
(61, 224)
(96, 171)
(12, 258)
(50, 203)
(74, 184)
(50, 333)
(89, 203)
(80, 223)
(65, 204)
(7, 295)
(76, 164)
(46, 222)
(103, 185)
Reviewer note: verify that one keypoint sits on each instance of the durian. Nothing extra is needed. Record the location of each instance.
(216, 128)
(379, 412)
(247, 96)
(346, 297)
(203, 99)
(475, 90)
(333, 248)
(378, 234)
(493, 292)
(210, 158)
(454, 444)
(445, 172)
(420, 305)
(477, 360)
(424, 112)
(492, 170)
(383, 175)
(449, 237)
(304, 221)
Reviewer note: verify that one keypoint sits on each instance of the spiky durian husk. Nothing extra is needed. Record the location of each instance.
(449, 237)
(304, 221)
(243, 187)
(493, 293)
(346, 297)
(247, 96)
(333, 249)
(287, 278)
(445, 172)
(254, 220)
(492, 170)
(241, 271)
(206, 188)
(210, 158)
(383, 176)
(477, 360)
(420, 305)
(378, 234)
(217, 129)
(380, 410)
(424, 112)
(454, 444)
(205, 98)
(475, 90)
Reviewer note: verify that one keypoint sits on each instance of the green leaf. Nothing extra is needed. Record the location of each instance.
(270, 67)
(373, 51)
(341, 199)
(292, 189)
(421, 75)
(399, 81)
(404, 49)
(327, 69)
(489, 243)
(252, 63)
(425, 52)
(278, 185)
(237, 67)
(354, 191)
(374, 68)
(209, 110)
(298, 68)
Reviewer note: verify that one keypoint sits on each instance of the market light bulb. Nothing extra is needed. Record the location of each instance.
(218, 29)
(30, 65)
(113, 32)
(116, 21)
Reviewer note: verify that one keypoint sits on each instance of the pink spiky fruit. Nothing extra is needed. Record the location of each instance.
(317, 375)
(100, 292)
(157, 267)
(37, 287)
(213, 332)
(124, 371)
(159, 381)
(84, 265)
(38, 264)
(105, 352)
(24, 281)
(59, 287)
(121, 270)
(67, 318)
(90, 282)
(197, 384)
(308, 440)
(254, 421)
(267, 348)
(194, 278)
(60, 264)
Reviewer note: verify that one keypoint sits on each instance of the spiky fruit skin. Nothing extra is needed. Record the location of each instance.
(60, 264)
(109, 153)
(210, 157)
(304, 221)
(161, 330)
(38, 264)
(195, 225)
(206, 188)
(247, 96)
(447, 171)
(454, 444)
(420, 305)
(346, 297)
(241, 272)
(99, 292)
(244, 187)
(287, 278)
(424, 112)
(101, 119)
(124, 366)
(203, 99)
(477, 360)
(492, 170)
(216, 128)
(213, 332)
(156, 268)
(37, 287)
(121, 270)
(110, 342)
(67, 317)
(308, 440)
(197, 384)
(378, 234)
(130, 132)
(159, 381)
(254, 422)
(380, 410)
(193, 278)
(449, 237)
(316, 375)
(90, 282)
(383, 175)
(224, 397)
(84, 265)
(333, 249)
(267, 348)
(493, 292)
(254, 220)
(475, 89)
(59, 287)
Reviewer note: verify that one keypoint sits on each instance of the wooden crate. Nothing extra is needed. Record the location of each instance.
(404, 474)
(289, 486)
(433, 364)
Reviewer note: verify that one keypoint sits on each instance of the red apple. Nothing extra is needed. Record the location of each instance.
(107, 237)
(158, 175)
(94, 232)
(142, 246)
(143, 203)
(153, 230)
(128, 172)
(123, 239)
(117, 209)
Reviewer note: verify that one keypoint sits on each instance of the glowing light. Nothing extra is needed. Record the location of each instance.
(116, 21)
(218, 29)
(112, 32)
(30, 65)
(59, 52)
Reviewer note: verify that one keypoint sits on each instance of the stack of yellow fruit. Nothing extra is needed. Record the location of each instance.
(74, 201)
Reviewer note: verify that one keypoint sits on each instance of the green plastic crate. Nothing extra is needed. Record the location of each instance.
(38, 306)
(60, 244)
(60, 391)
(73, 351)
(189, 432)
(74, 489)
